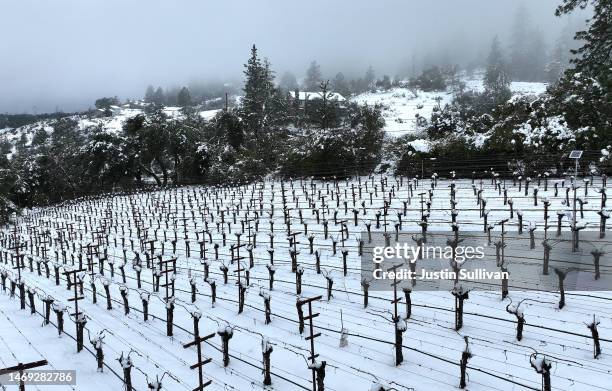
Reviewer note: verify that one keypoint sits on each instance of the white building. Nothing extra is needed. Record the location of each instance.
(308, 96)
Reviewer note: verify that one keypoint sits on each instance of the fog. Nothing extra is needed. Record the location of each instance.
(63, 54)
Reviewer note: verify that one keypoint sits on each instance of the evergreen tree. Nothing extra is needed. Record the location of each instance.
(584, 94)
(288, 82)
(277, 108)
(519, 56)
(595, 55)
(159, 97)
(268, 79)
(326, 110)
(369, 78)
(184, 97)
(496, 80)
(296, 107)
(536, 57)
(106, 103)
(313, 77)
(557, 63)
(21, 144)
(40, 137)
(7, 181)
(384, 83)
(149, 96)
(341, 85)
(431, 79)
(560, 55)
(257, 90)
(230, 126)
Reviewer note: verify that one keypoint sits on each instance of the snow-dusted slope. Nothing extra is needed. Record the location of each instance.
(432, 348)
(402, 106)
(112, 124)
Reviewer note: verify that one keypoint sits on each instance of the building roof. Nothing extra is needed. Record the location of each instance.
(309, 95)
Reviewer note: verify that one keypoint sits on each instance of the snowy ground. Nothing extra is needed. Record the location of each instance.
(400, 110)
(431, 347)
(111, 124)
(402, 106)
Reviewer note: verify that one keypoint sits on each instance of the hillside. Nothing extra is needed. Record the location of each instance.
(403, 105)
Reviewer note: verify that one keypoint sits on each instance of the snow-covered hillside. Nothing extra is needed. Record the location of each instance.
(356, 342)
(401, 108)
(111, 124)
(403, 105)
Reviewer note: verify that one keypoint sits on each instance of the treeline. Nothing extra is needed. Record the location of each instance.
(18, 120)
(531, 132)
(269, 132)
(212, 95)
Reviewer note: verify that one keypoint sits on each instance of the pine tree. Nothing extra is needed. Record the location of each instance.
(184, 97)
(557, 63)
(496, 80)
(560, 54)
(584, 94)
(7, 181)
(268, 80)
(277, 108)
(384, 83)
(326, 111)
(257, 91)
(288, 82)
(340, 84)
(313, 77)
(519, 57)
(595, 55)
(536, 60)
(40, 137)
(159, 97)
(149, 96)
(369, 78)
(229, 125)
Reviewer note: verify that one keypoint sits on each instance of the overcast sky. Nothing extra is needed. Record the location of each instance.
(66, 53)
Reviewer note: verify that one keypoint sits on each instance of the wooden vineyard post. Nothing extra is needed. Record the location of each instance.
(292, 237)
(241, 288)
(318, 372)
(22, 367)
(79, 317)
(17, 245)
(165, 268)
(398, 322)
(197, 342)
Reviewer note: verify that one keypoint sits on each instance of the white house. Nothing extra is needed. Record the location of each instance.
(308, 96)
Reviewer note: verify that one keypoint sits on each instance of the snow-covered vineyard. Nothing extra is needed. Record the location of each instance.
(246, 283)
